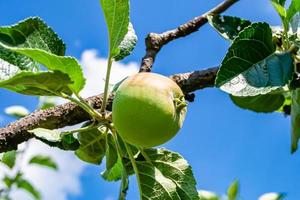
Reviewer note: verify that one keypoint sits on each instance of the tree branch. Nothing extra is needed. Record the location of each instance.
(154, 41)
(70, 114)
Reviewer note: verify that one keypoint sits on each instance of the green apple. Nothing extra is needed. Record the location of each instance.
(148, 109)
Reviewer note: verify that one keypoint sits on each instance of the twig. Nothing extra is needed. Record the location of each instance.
(154, 41)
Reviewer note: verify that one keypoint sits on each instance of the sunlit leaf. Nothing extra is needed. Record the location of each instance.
(227, 26)
(116, 14)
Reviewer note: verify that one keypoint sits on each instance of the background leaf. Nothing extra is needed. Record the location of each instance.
(27, 186)
(228, 26)
(116, 14)
(233, 190)
(272, 196)
(207, 195)
(16, 111)
(9, 158)
(43, 161)
(260, 103)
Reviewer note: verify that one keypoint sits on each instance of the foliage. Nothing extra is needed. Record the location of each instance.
(259, 71)
(14, 177)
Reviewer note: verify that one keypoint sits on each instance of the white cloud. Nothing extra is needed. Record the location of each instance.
(95, 71)
(57, 185)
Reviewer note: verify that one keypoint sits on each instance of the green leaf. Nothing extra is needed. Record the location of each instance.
(9, 158)
(43, 161)
(8, 181)
(294, 24)
(111, 152)
(29, 44)
(128, 43)
(168, 176)
(30, 33)
(38, 83)
(116, 14)
(46, 134)
(66, 65)
(280, 2)
(260, 103)
(27, 186)
(295, 119)
(56, 138)
(293, 9)
(227, 26)
(16, 111)
(92, 146)
(233, 190)
(272, 196)
(68, 142)
(280, 10)
(207, 195)
(114, 173)
(251, 66)
(115, 165)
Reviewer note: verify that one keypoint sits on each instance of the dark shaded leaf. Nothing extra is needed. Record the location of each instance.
(111, 152)
(92, 146)
(261, 103)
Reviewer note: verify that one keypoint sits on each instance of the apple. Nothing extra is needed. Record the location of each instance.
(148, 109)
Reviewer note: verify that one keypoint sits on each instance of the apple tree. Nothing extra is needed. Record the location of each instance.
(260, 72)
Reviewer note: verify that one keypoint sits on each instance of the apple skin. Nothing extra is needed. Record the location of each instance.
(148, 109)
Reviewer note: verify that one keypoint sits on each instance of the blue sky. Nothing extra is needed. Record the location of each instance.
(221, 141)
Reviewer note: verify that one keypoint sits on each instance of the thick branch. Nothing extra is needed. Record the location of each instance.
(70, 114)
(154, 41)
